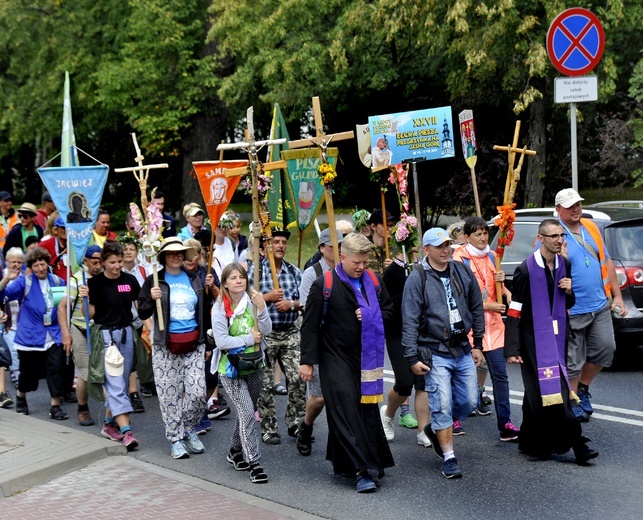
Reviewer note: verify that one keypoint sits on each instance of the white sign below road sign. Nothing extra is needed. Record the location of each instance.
(576, 89)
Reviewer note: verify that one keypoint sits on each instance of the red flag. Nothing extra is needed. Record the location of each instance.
(217, 190)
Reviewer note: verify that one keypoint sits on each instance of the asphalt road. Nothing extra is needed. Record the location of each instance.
(498, 481)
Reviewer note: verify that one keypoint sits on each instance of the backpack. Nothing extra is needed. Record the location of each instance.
(328, 288)
(467, 261)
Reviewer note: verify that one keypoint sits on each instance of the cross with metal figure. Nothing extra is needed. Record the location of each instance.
(322, 140)
(260, 218)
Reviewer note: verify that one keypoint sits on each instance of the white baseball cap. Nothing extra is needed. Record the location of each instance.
(567, 198)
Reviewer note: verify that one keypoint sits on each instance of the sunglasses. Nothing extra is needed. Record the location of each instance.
(25, 215)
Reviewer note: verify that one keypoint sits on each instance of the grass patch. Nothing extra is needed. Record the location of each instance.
(594, 195)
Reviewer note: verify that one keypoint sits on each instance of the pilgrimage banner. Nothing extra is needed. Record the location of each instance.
(217, 190)
(363, 133)
(468, 138)
(304, 181)
(77, 192)
(420, 134)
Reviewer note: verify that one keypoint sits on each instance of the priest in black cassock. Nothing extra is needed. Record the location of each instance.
(343, 332)
(536, 335)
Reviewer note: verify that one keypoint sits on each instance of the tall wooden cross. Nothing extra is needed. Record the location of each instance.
(322, 140)
(141, 173)
(513, 176)
(259, 225)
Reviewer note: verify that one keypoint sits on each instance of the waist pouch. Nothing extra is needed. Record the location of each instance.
(182, 342)
(247, 362)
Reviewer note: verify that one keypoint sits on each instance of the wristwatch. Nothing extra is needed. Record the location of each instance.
(292, 305)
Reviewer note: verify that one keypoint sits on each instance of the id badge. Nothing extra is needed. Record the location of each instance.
(46, 319)
(485, 296)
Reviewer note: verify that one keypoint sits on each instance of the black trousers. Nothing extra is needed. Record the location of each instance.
(36, 365)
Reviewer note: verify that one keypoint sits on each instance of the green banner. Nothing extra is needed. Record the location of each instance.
(281, 200)
(304, 182)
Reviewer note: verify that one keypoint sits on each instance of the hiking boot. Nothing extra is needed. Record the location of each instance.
(579, 413)
(584, 453)
(304, 438)
(435, 444)
(585, 404)
(408, 421)
(85, 418)
(387, 423)
(56, 413)
(450, 469)
(137, 403)
(271, 438)
(257, 474)
(110, 431)
(21, 405)
(216, 410)
(178, 451)
(364, 483)
(193, 443)
(129, 441)
(236, 459)
(148, 389)
(71, 397)
(457, 428)
(509, 432)
(423, 440)
(5, 400)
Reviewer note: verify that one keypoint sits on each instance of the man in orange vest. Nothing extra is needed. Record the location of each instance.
(591, 345)
(8, 216)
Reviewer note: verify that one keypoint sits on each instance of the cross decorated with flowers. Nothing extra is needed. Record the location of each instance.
(325, 170)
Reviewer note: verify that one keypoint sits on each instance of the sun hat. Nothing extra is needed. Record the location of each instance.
(175, 244)
(114, 361)
(28, 207)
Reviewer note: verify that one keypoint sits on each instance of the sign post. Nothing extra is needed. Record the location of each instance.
(575, 43)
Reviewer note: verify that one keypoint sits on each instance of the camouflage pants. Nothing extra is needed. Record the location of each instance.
(282, 346)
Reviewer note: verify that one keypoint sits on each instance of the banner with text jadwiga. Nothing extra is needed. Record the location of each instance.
(420, 134)
(77, 192)
(303, 181)
(217, 189)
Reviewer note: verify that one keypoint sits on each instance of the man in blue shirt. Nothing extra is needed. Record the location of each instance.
(283, 343)
(591, 345)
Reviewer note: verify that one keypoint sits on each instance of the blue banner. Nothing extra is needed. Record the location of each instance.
(77, 192)
(421, 134)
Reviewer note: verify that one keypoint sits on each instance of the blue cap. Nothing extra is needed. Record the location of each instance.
(435, 237)
(59, 222)
(92, 250)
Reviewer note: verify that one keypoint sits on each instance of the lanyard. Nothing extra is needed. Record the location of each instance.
(582, 235)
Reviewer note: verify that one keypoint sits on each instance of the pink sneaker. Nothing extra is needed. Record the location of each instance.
(457, 428)
(257, 418)
(129, 441)
(111, 432)
(509, 432)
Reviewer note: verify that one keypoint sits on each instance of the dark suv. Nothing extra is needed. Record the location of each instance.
(622, 232)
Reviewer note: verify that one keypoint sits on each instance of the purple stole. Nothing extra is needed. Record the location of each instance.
(550, 330)
(372, 373)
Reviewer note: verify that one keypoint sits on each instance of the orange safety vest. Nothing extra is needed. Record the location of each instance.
(11, 221)
(594, 232)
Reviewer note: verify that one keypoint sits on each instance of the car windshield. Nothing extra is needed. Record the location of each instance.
(625, 242)
(524, 242)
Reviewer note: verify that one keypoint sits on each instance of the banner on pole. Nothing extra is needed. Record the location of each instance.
(281, 200)
(304, 182)
(468, 138)
(217, 190)
(77, 192)
(420, 134)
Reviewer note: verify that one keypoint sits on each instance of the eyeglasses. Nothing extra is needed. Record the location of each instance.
(556, 236)
(175, 254)
(25, 215)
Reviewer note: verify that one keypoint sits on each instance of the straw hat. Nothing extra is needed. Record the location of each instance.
(174, 244)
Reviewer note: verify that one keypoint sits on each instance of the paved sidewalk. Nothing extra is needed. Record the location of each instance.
(50, 471)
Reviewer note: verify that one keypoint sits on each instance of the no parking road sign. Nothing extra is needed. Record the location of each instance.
(575, 41)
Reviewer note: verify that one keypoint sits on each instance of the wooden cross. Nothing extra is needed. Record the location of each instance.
(141, 173)
(252, 147)
(322, 140)
(513, 176)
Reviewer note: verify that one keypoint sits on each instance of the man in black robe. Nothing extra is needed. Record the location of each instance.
(536, 336)
(343, 332)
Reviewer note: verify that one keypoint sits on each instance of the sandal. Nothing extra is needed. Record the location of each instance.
(280, 389)
(258, 475)
(236, 459)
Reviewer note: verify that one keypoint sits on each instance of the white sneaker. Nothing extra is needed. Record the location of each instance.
(387, 423)
(423, 440)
